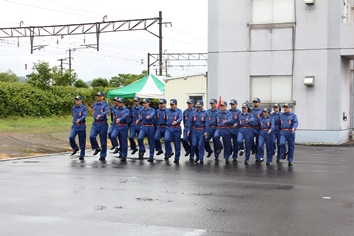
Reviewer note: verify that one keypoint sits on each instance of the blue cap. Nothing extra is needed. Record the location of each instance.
(213, 101)
(266, 109)
(173, 101)
(136, 99)
(256, 100)
(101, 94)
(162, 101)
(146, 100)
(245, 104)
(223, 104)
(276, 105)
(115, 98)
(287, 105)
(233, 102)
(199, 103)
(120, 100)
(190, 101)
(78, 97)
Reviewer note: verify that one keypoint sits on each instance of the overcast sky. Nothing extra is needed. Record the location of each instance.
(120, 52)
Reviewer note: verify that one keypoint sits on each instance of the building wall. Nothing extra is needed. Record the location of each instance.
(238, 50)
(182, 87)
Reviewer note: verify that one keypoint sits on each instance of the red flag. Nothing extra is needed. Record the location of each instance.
(219, 103)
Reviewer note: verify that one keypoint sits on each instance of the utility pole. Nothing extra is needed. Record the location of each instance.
(160, 42)
(61, 65)
(70, 60)
(166, 67)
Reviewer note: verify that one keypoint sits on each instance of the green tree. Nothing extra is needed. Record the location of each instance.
(124, 79)
(99, 82)
(80, 84)
(9, 76)
(42, 75)
(65, 79)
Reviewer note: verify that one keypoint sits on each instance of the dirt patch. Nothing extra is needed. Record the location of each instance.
(26, 144)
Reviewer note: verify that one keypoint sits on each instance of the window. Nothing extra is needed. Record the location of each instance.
(273, 11)
(272, 89)
(196, 98)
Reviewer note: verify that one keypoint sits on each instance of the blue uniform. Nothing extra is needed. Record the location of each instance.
(147, 129)
(111, 127)
(265, 124)
(246, 132)
(121, 130)
(197, 125)
(211, 129)
(276, 133)
(173, 131)
(187, 139)
(100, 127)
(160, 127)
(135, 128)
(129, 119)
(234, 130)
(224, 120)
(288, 121)
(257, 113)
(78, 112)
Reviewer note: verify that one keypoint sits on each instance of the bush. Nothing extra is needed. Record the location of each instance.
(25, 100)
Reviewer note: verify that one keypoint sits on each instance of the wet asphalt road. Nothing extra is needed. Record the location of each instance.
(59, 195)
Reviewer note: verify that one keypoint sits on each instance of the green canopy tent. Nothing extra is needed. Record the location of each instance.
(147, 87)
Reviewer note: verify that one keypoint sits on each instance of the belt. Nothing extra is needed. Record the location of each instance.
(254, 126)
(80, 123)
(100, 122)
(173, 126)
(264, 129)
(212, 126)
(199, 128)
(287, 129)
(246, 127)
(223, 127)
(162, 126)
(147, 125)
(121, 124)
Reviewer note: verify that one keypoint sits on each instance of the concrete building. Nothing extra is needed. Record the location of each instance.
(296, 51)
